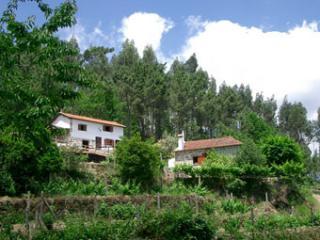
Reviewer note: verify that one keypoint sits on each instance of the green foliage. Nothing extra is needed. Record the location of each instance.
(64, 186)
(6, 183)
(255, 127)
(138, 162)
(281, 149)
(96, 229)
(177, 223)
(232, 226)
(293, 121)
(72, 158)
(250, 153)
(122, 211)
(39, 74)
(167, 145)
(234, 206)
(128, 188)
(178, 188)
(119, 211)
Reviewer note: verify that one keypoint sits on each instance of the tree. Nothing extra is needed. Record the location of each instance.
(265, 108)
(125, 70)
(250, 153)
(254, 127)
(281, 149)
(138, 162)
(187, 97)
(155, 91)
(39, 74)
(100, 99)
(293, 121)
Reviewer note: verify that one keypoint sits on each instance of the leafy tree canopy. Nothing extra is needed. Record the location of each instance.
(281, 149)
(138, 162)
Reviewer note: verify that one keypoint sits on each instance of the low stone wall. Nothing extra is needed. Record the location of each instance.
(88, 203)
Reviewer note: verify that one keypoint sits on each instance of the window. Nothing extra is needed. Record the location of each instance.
(199, 159)
(82, 127)
(195, 160)
(107, 128)
(85, 143)
(108, 142)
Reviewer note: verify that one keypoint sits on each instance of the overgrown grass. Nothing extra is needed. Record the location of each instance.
(178, 188)
(66, 186)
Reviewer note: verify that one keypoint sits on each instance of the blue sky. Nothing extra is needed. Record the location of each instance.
(271, 15)
(273, 45)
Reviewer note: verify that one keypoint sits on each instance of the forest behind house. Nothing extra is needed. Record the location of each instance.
(41, 74)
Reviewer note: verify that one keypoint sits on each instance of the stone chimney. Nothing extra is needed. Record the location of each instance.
(181, 141)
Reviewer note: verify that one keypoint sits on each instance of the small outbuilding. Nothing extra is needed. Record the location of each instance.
(195, 152)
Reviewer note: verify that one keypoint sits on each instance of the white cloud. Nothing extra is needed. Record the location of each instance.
(87, 38)
(195, 24)
(145, 29)
(272, 62)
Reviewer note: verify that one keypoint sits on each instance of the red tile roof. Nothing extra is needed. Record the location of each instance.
(211, 143)
(94, 120)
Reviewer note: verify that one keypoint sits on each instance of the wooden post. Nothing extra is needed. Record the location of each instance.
(50, 209)
(197, 204)
(158, 200)
(252, 222)
(231, 195)
(199, 181)
(292, 210)
(27, 214)
(311, 214)
(40, 213)
(95, 206)
(267, 197)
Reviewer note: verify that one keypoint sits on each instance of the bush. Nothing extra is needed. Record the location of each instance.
(179, 188)
(123, 188)
(175, 224)
(119, 211)
(250, 153)
(234, 206)
(64, 186)
(72, 159)
(281, 149)
(138, 162)
(6, 183)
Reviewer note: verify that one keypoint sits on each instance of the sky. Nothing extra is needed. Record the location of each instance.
(272, 45)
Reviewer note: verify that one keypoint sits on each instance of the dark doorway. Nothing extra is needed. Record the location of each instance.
(98, 142)
(85, 144)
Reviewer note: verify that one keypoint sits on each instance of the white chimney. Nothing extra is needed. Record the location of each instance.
(181, 141)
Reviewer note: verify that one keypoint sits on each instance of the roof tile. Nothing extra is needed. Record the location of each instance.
(94, 120)
(211, 143)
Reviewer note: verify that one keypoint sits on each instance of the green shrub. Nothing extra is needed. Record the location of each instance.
(234, 206)
(281, 149)
(63, 186)
(122, 211)
(178, 188)
(175, 224)
(127, 188)
(233, 225)
(72, 158)
(6, 183)
(138, 162)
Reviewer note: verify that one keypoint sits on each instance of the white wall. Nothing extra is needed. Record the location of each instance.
(93, 130)
(62, 122)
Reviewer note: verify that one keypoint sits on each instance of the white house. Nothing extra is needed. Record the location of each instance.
(91, 134)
